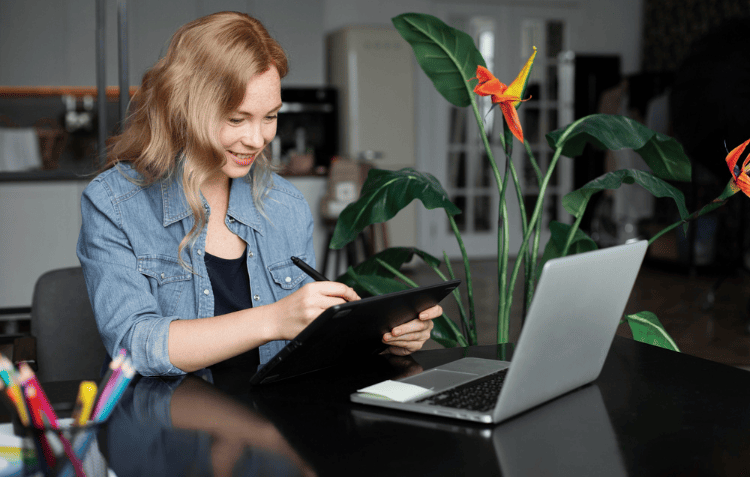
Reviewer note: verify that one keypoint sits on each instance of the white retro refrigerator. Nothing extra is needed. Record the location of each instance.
(373, 70)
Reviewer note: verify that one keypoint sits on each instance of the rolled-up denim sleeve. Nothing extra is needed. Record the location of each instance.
(309, 232)
(127, 314)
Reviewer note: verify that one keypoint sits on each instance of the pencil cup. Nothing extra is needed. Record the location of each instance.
(68, 450)
(56, 446)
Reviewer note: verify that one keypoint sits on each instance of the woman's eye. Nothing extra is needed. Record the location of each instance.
(271, 118)
(235, 120)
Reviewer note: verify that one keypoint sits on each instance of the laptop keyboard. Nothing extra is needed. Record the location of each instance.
(480, 395)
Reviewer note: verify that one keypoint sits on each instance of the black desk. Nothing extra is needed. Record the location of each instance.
(651, 412)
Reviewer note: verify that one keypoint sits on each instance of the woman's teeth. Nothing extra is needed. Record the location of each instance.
(244, 159)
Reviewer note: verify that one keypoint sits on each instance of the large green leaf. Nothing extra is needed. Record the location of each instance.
(383, 195)
(448, 56)
(575, 202)
(559, 235)
(663, 154)
(647, 328)
(445, 331)
(395, 257)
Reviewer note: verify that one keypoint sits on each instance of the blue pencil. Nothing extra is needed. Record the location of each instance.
(127, 374)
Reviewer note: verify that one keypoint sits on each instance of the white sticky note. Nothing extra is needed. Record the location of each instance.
(394, 391)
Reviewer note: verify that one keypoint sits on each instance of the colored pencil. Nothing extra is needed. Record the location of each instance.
(127, 374)
(13, 389)
(105, 385)
(39, 404)
(84, 402)
(37, 419)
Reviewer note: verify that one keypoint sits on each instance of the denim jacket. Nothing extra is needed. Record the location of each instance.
(128, 250)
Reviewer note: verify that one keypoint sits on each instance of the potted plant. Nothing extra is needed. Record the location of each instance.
(458, 71)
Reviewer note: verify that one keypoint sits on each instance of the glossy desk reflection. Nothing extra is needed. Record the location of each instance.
(186, 426)
(651, 412)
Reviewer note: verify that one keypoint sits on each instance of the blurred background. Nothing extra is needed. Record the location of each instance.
(355, 99)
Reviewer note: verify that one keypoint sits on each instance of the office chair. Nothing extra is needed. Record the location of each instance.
(64, 342)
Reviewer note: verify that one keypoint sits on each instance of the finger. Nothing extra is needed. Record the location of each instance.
(408, 339)
(417, 336)
(405, 347)
(431, 313)
(411, 327)
(329, 290)
(339, 290)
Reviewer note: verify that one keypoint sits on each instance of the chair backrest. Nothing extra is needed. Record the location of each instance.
(68, 343)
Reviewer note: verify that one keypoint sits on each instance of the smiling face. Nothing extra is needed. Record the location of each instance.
(248, 130)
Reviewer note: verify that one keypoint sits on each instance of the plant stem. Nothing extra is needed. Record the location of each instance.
(457, 296)
(571, 234)
(503, 321)
(469, 288)
(503, 239)
(538, 206)
(530, 257)
(716, 203)
(529, 277)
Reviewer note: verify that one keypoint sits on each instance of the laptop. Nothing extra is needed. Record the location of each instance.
(570, 435)
(568, 331)
(352, 330)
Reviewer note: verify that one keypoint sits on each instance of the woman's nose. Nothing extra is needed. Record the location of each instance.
(252, 136)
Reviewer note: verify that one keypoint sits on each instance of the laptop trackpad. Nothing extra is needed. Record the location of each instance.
(438, 379)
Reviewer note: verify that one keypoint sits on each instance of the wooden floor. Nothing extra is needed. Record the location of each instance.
(717, 331)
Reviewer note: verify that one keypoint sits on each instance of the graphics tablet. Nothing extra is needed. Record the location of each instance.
(350, 330)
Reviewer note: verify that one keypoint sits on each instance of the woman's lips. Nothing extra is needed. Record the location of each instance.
(242, 159)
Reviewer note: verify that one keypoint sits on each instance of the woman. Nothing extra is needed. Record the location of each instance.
(187, 237)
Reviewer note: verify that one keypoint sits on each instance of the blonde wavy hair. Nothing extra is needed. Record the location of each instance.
(177, 111)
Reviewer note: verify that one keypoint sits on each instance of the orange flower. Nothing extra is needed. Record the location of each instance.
(508, 97)
(741, 179)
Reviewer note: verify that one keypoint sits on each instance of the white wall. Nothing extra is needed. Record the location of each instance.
(39, 225)
(52, 42)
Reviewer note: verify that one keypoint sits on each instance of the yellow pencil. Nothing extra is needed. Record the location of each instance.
(84, 402)
(13, 389)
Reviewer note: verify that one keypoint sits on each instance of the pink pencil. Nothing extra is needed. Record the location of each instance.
(108, 383)
(41, 406)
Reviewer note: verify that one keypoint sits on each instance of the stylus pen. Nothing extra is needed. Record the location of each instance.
(309, 270)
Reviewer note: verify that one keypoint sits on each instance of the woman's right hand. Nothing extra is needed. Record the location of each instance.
(294, 312)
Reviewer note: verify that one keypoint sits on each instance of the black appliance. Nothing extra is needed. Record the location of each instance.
(308, 123)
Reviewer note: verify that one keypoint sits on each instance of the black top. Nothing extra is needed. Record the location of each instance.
(231, 286)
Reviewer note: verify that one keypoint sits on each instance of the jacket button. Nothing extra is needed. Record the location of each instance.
(199, 252)
(163, 276)
(287, 279)
(256, 297)
(249, 254)
(206, 292)
(231, 220)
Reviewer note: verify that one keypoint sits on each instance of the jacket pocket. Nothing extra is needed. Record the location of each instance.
(286, 274)
(168, 280)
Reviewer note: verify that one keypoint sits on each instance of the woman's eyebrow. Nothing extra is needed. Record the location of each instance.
(274, 110)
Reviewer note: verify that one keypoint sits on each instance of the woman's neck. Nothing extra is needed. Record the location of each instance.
(216, 191)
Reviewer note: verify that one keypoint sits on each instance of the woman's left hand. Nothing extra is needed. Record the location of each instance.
(409, 337)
